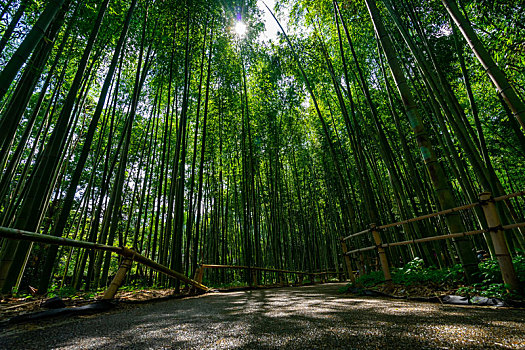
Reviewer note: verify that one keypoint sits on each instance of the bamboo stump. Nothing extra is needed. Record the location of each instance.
(118, 279)
(498, 239)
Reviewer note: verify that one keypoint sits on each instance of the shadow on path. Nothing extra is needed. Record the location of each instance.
(312, 317)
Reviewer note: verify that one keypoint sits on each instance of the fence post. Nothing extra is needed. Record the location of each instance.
(382, 254)
(281, 279)
(348, 262)
(199, 274)
(117, 281)
(498, 240)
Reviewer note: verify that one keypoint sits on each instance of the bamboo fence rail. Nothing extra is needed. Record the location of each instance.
(487, 202)
(442, 212)
(12, 233)
(212, 266)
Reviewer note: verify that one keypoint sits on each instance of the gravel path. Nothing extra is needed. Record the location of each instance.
(311, 317)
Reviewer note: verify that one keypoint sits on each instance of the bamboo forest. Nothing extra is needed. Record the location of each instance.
(190, 145)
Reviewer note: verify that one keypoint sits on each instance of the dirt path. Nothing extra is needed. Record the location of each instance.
(313, 317)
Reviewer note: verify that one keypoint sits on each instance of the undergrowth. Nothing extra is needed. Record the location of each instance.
(415, 273)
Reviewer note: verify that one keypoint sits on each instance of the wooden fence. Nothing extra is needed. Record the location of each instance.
(253, 269)
(496, 230)
(129, 256)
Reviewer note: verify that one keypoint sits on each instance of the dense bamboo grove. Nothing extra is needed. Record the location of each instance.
(152, 124)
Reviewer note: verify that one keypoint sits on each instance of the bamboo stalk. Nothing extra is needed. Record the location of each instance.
(500, 244)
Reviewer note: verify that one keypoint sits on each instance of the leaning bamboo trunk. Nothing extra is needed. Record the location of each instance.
(434, 168)
(32, 39)
(12, 25)
(13, 256)
(495, 74)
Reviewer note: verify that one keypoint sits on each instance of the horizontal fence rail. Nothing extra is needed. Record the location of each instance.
(11, 233)
(200, 271)
(211, 266)
(487, 202)
(439, 213)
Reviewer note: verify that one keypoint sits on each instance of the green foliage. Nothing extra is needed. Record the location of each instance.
(414, 272)
(371, 279)
(234, 284)
(64, 292)
(280, 182)
(491, 284)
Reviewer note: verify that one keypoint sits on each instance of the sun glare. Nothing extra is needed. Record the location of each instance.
(240, 28)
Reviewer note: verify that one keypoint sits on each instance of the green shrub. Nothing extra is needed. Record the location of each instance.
(64, 292)
(490, 285)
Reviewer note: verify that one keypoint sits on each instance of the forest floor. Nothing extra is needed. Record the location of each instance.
(312, 317)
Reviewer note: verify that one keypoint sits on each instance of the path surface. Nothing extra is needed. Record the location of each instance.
(311, 317)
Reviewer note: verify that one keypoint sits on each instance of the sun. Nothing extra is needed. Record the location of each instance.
(240, 28)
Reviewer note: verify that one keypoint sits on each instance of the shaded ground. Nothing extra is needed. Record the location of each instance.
(12, 307)
(310, 317)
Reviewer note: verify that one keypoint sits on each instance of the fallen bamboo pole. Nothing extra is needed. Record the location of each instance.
(12, 233)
